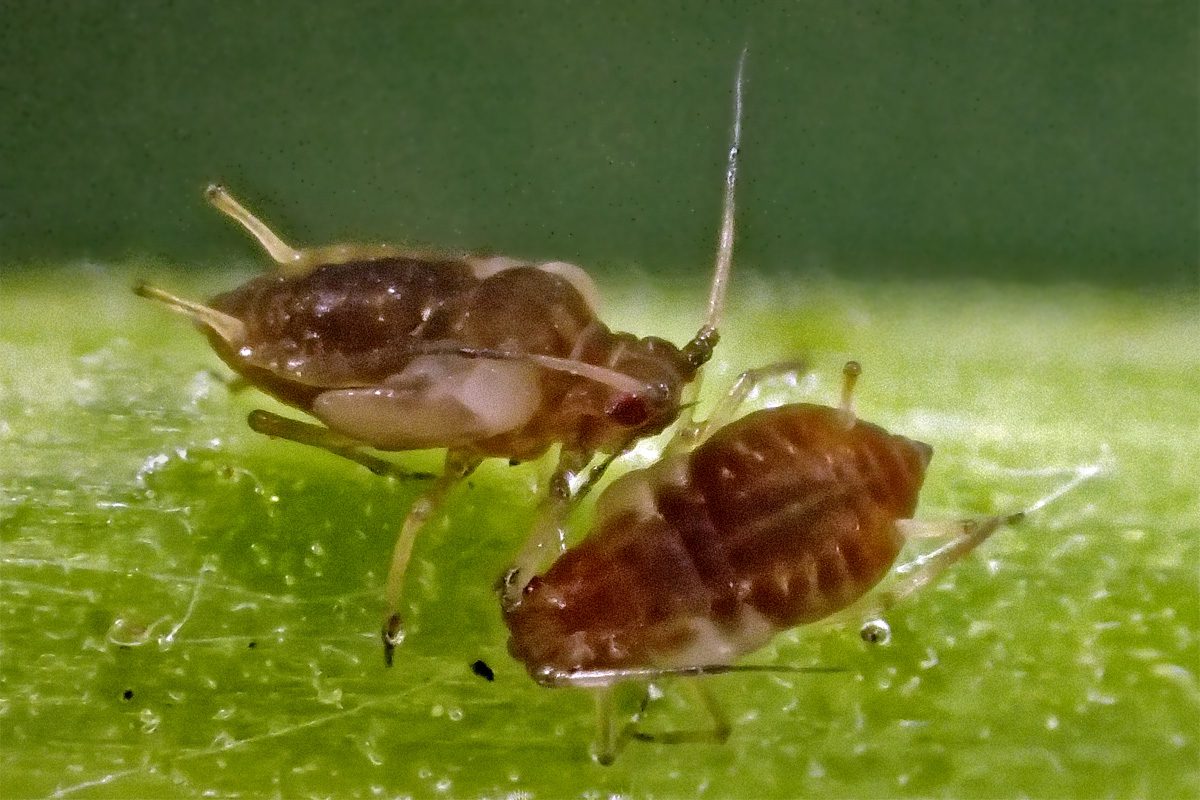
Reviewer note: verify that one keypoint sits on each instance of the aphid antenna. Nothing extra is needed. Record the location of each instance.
(699, 349)
(600, 678)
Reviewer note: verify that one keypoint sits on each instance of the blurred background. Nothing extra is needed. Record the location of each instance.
(1018, 141)
(1010, 190)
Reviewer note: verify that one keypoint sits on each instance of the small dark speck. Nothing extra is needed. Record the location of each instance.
(127, 694)
(252, 645)
(481, 669)
(513, 462)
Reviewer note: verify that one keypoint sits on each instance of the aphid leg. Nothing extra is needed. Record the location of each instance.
(229, 328)
(235, 384)
(691, 433)
(605, 745)
(548, 534)
(717, 734)
(280, 251)
(279, 427)
(965, 535)
(459, 465)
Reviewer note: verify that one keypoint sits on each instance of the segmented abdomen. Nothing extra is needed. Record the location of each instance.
(800, 507)
(356, 324)
(784, 517)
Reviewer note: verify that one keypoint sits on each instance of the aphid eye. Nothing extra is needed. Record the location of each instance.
(628, 409)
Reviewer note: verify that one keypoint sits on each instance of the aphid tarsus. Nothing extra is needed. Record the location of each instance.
(487, 356)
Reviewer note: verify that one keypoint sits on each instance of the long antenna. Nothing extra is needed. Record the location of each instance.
(700, 349)
(716, 297)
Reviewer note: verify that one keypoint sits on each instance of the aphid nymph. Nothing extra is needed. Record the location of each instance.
(743, 529)
(486, 356)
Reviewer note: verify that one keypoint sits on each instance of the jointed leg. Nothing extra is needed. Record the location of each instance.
(235, 384)
(965, 535)
(717, 734)
(605, 745)
(547, 536)
(609, 739)
(690, 434)
(458, 466)
(278, 427)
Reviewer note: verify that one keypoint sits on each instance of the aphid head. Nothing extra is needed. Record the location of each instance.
(620, 413)
(615, 418)
(540, 628)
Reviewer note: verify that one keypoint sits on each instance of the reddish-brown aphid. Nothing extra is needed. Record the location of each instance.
(779, 518)
(783, 517)
(483, 355)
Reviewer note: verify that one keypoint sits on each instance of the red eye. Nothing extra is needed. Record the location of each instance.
(628, 409)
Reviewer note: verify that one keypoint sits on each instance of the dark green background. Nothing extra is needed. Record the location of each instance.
(1018, 140)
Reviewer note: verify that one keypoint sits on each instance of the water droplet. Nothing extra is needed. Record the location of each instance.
(876, 631)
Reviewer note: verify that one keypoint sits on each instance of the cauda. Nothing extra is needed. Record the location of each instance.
(486, 356)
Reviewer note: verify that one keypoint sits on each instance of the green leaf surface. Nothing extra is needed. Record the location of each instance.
(190, 609)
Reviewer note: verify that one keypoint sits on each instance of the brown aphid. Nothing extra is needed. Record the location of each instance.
(486, 356)
(783, 517)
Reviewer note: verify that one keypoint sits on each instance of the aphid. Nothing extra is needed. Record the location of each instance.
(486, 356)
(742, 530)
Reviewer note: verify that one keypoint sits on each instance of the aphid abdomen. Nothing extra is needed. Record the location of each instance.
(344, 324)
(361, 323)
(804, 506)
